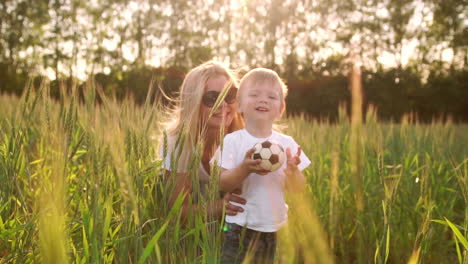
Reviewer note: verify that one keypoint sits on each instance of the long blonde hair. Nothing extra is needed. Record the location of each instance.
(184, 119)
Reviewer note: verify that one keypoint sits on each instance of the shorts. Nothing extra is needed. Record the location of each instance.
(241, 242)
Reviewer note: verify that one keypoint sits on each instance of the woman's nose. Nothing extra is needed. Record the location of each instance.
(223, 105)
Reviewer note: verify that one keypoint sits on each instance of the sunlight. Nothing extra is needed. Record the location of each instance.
(238, 4)
(387, 58)
(129, 51)
(325, 41)
(447, 55)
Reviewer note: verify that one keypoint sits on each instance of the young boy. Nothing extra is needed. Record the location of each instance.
(261, 99)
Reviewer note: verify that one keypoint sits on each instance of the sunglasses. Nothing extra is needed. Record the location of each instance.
(209, 98)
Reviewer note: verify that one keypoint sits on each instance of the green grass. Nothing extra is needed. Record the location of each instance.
(80, 182)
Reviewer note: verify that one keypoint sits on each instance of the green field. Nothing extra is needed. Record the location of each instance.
(80, 182)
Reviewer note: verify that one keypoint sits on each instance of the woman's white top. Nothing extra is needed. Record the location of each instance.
(203, 175)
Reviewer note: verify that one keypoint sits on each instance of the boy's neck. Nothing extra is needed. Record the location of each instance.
(259, 130)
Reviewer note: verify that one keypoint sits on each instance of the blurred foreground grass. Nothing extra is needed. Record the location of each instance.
(80, 183)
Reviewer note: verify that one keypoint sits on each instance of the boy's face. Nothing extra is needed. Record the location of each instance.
(261, 102)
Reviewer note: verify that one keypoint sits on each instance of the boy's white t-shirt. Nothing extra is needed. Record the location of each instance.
(266, 209)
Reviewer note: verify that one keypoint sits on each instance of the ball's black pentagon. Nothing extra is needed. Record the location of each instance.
(256, 156)
(274, 158)
(266, 144)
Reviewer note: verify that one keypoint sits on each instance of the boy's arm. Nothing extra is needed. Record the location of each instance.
(295, 180)
(231, 179)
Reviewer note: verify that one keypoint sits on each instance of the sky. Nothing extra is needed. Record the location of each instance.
(158, 55)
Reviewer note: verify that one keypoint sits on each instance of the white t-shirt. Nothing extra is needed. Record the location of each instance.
(266, 209)
(203, 175)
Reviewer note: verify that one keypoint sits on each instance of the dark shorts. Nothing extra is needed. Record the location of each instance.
(239, 242)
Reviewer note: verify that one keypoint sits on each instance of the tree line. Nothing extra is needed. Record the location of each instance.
(413, 52)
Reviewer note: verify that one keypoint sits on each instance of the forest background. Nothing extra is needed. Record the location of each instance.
(413, 52)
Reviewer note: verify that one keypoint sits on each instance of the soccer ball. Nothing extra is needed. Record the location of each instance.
(270, 153)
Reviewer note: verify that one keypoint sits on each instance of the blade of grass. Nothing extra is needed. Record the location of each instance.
(152, 243)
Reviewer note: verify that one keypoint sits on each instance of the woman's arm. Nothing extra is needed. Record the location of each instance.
(183, 185)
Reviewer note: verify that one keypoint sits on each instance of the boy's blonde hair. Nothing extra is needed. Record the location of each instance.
(259, 76)
(184, 118)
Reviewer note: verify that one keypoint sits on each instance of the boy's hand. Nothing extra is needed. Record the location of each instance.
(295, 180)
(292, 161)
(251, 165)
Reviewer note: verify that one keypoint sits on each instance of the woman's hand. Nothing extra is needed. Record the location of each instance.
(232, 197)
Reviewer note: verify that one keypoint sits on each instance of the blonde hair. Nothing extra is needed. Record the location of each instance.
(185, 117)
(259, 76)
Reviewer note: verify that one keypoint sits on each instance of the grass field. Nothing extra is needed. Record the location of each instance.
(80, 183)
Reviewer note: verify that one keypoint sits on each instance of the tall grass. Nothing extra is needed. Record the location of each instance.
(81, 183)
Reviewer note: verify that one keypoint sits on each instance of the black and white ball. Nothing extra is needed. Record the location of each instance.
(270, 153)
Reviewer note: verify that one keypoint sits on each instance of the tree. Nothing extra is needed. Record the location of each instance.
(448, 26)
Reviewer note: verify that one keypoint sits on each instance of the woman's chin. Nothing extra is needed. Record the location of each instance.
(216, 122)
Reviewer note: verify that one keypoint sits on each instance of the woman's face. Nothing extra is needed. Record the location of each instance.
(225, 112)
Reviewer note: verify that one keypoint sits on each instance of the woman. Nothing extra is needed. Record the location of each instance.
(194, 133)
